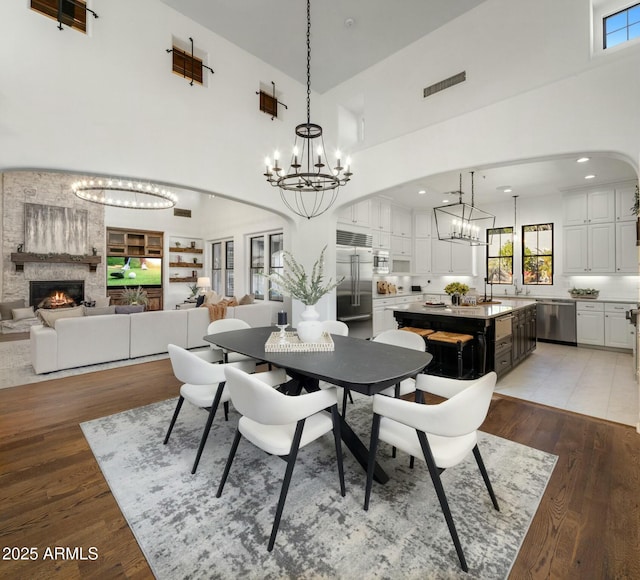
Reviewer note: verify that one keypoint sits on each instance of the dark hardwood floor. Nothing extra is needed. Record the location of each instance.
(53, 492)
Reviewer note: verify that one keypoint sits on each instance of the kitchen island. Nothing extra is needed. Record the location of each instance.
(504, 333)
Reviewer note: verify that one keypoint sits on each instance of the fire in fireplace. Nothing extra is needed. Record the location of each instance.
(56, 293)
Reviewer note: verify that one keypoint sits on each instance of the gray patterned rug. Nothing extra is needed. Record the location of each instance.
(185, 532)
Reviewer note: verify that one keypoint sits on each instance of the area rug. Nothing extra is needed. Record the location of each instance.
(186, 532)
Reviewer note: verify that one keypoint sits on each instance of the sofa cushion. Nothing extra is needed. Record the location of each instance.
(151, 332)
(92, 340)
(212, 297)
(50, 316)
(129, 308)
(102, 301)
(99, 311)
(256, 314)
(197, 324)
(22, 313)
(247, 299)
(7, 307)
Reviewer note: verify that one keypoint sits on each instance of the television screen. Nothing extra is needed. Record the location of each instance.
(132, 271)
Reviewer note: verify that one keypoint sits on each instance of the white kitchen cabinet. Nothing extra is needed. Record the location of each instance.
(422, 256)
(381, 240)
(380, 215)
(357, 214)
(450, 258)
(401, 221)
(590, 323)
(626, 249)
(590, 207)
(618, 331)
(422, 224)
(625, 197)
(590, 249)
(383, 318)
(401, 246)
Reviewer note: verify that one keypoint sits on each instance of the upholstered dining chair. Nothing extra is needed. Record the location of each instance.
(227, 325)
(340, 328)
(442, 435)
(280, 425)
(204, 387)
(405, 340)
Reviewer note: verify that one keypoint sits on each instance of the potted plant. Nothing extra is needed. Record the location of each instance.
(135, 296)
(635, 210)
(308, 289)
(194, 290)
(455, 290)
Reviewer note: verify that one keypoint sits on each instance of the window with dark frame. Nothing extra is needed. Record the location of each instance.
(500, 255)
(222, 269)
(256, 268)
(187, 66)
(71, 13)
(621, 26)
(537, 254)
(276, 264)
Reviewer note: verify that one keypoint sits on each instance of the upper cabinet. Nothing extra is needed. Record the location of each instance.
(625, 197)
(422, 224)
(129, 243)
(358, 214)
(592, 207)
(401, 221)
(380, 215)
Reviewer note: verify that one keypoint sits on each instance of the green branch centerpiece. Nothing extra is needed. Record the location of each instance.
(308, 289)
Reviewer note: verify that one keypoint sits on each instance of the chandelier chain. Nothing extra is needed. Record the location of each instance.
(308, 61)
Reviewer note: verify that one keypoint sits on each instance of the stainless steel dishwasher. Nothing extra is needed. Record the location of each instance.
(556, 321)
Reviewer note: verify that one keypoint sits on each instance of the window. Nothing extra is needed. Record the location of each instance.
(500, 255)
(537, 254)
(256, 268)
(187, 66)
(222, 267)
(276, 263)
(72, 13)
(621, 26)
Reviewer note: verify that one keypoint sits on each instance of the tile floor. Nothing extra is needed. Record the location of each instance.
(589, 381)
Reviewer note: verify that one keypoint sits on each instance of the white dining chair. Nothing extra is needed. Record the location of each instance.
(204, 387)
(280, 425)
(227, 325)
(402, 339)
(442, 435)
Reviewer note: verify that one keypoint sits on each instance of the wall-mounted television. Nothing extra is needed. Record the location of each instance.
(125, 271)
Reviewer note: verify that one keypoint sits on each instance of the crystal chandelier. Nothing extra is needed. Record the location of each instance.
(463, 223)
(124, 193)
(309, 187)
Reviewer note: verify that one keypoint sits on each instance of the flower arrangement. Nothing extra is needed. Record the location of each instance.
(135, 296)
(295, 281)
(456, 288)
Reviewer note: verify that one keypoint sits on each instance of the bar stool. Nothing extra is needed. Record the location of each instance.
(453, 339)
(423, 332)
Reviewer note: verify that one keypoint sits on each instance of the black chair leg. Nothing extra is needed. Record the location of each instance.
(373, 447)
(291, 461)
(444, 504)
(337, 438)
(225, 406)
(227, 467)
(173, 419)
(345, 393)
(207, 427)
(485, 476)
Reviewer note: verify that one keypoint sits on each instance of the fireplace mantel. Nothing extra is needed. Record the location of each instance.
(20, 258)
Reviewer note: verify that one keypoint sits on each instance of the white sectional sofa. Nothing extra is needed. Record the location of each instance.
(89, 340)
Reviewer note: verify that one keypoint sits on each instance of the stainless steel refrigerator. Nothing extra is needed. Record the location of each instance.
(354, 261)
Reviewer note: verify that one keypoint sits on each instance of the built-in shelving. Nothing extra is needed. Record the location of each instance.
(185, 253)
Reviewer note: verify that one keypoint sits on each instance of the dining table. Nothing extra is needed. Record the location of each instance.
(362, 366)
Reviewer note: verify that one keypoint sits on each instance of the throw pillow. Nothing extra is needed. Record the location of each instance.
(7, 307)
(99, 311)
(129, 308)
(50, 316)
(22, 313)
(233, 301)
(200, 300)
(247, 299)
(212, 297)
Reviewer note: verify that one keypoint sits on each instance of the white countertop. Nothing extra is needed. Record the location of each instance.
(483, 311)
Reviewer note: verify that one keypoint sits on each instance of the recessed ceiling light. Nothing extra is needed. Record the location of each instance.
(504, 188)
(589, 176)
(582, 160)
(421, 192)
(445, 201)
(508, 190)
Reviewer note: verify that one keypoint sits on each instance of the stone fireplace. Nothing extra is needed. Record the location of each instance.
(55, 293)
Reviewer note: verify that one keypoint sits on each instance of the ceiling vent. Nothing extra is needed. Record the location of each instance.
(445, 84)
(181, 212)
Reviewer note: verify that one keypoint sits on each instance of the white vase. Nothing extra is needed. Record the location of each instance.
(310, 328)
